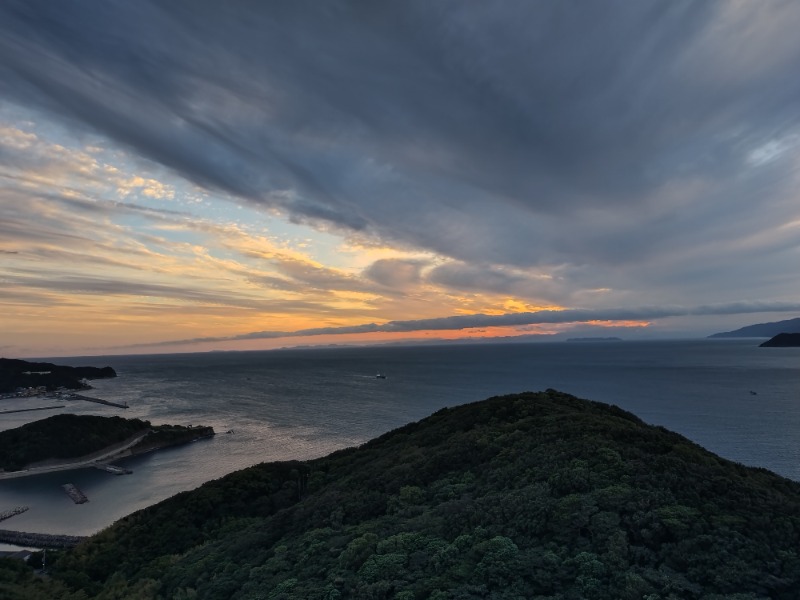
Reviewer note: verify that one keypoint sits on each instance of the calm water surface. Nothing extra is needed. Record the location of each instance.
(303, 404)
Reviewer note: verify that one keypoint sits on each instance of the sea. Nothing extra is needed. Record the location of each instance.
(730, 396)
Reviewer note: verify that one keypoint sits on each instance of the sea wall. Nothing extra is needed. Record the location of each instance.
(39, 540)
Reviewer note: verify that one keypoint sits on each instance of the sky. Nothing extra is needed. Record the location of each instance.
(194, 175)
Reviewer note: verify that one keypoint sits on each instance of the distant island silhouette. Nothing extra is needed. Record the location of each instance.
(783, 340)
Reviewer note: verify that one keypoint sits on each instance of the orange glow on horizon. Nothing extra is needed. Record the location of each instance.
(378, 337)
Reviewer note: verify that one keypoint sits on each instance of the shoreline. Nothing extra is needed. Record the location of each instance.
(107, 455)
(110, 453)
(15, 540)
(26, 539)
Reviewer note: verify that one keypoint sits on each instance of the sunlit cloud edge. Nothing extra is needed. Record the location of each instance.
(462, 322)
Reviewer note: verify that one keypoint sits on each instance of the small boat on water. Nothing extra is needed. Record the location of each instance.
(380, 376)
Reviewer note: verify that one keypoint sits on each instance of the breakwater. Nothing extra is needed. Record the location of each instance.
(19, 410)
(78, 497)
(96, 400)
(39, 540)
(14, 511)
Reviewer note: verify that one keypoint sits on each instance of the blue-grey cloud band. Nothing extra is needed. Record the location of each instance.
(542, 317)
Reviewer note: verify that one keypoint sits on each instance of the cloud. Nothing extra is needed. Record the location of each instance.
(557, 153)
(520, 319)
(395, 272)
(498, 280)
(487, 119)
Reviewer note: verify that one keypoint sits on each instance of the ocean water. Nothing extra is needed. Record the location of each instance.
(305, 403)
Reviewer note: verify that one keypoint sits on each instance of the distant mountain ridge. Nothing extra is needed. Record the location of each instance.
(762, 329)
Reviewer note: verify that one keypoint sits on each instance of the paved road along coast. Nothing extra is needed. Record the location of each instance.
(86, 461)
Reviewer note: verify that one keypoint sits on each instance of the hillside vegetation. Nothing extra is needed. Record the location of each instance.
(63, 436)
(68, 436)
(535, 496)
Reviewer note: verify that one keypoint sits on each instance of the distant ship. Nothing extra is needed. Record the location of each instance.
(380, 376)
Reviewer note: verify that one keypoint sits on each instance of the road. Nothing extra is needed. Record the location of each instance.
(114, 452)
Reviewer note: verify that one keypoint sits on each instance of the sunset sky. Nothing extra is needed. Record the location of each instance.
(188, 176)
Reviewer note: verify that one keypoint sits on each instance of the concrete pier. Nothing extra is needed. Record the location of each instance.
(78, 497)
(96, 400)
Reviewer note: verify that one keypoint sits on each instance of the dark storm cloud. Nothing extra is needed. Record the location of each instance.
(517, 133)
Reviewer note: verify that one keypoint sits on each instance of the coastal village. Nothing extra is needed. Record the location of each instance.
(59, 394)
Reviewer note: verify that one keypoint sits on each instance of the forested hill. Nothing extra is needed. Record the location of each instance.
(67, 436)
(63, 436)
(16, 373)
(537, 495)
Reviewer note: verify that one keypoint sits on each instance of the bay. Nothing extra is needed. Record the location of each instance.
(730, 396)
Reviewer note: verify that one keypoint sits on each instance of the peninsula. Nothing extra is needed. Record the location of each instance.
(64, 442)
(783, 340)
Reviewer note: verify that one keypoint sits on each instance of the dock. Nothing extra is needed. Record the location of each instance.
(113, 469)
(96, 400)
(18, 510)
(78, 497)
